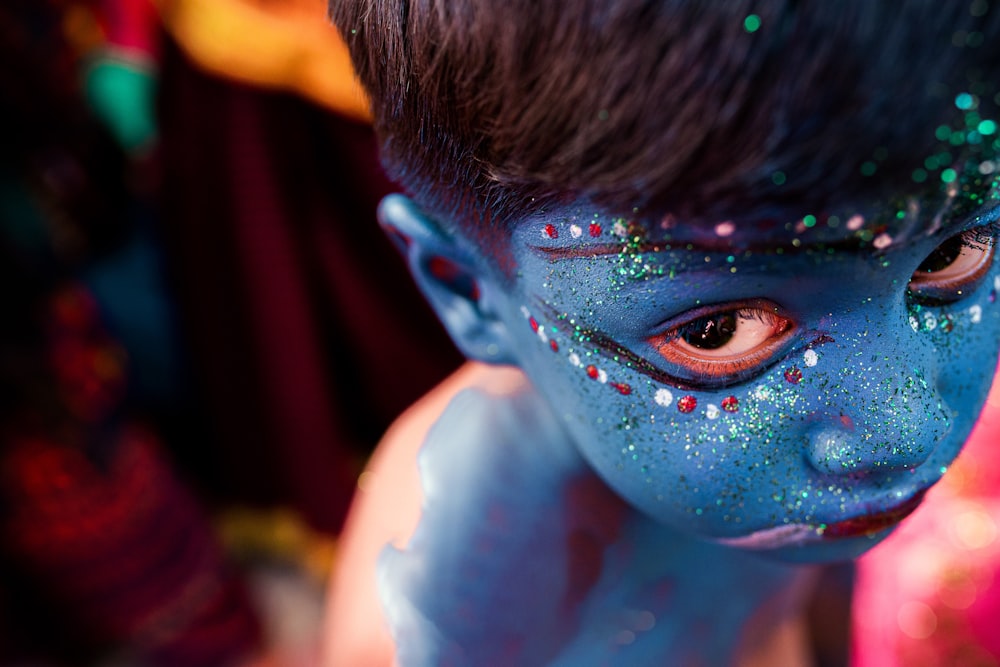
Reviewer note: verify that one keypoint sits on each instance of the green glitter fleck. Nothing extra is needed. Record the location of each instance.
(778, 178)
(919, 176)
(943, 133)
(751, 23)
(809, 221)
(986, 127)
(868, 168)
(948, 175)
(965, 101)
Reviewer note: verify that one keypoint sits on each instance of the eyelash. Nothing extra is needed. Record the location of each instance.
(968, 257)
(717, 328)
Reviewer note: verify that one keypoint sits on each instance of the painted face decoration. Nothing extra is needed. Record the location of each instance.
(794, 389)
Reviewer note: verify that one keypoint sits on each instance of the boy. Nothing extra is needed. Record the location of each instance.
(741, 256)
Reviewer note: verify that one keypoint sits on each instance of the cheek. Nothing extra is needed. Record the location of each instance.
(966, 338)
(825, 434)
(682, 456)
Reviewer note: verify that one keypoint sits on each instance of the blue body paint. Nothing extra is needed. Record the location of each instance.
(735, 399)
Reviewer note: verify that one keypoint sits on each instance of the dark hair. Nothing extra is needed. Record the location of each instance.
(487, 110)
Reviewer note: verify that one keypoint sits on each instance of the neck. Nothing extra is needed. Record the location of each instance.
(668, 595)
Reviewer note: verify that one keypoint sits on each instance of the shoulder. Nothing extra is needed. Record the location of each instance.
(387, 508)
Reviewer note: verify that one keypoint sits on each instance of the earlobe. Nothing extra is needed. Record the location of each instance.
(464, 296)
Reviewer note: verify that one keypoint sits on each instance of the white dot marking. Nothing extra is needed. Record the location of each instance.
(663, 397)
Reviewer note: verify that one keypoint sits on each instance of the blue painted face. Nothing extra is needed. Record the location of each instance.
(794, 389)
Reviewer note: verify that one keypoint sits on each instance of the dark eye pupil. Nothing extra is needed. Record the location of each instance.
(710, 333)
(943, 256)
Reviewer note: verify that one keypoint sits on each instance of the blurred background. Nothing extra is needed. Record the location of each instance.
(203, 332)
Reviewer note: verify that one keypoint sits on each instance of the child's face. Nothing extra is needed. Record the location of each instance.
(798, 395)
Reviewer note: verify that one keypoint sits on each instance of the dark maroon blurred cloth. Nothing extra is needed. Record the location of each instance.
(120, 555)
(305, 331)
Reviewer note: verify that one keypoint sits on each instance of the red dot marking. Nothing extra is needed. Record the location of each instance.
(793, 375)
(622, 388)
(533, 323)
(731, 404)
(592, 372)
(554, 345)
(687, 404)
(595, 229)
(551, 231)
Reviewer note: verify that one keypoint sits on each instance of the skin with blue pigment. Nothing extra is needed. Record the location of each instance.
(854, 374)
(524, 557)
(851, 412)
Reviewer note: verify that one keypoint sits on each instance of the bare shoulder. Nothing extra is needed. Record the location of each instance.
(386, 510)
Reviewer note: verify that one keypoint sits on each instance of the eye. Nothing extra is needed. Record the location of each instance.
(726, 343)
(954, 269)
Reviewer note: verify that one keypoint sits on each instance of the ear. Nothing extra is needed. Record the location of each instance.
(460, 290)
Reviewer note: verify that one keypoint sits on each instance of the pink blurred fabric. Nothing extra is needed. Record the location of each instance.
(930, 594)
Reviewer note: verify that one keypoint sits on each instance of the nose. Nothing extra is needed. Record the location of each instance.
(833, 450)
(896, 427)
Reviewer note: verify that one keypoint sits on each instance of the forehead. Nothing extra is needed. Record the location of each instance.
(583, 230)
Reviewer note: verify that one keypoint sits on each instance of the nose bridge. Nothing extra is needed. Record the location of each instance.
(884, 413)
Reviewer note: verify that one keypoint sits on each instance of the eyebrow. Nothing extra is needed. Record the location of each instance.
(948, 228)
(558, 254)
